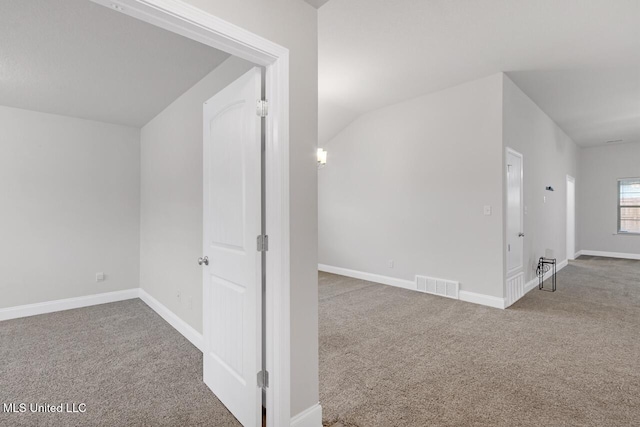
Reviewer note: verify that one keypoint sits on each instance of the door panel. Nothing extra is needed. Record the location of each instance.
(227, 160)
(515, 238)
(232, 221)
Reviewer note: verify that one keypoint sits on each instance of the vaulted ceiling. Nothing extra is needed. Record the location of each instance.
(579, 60)
(80, 59)
(316, 3)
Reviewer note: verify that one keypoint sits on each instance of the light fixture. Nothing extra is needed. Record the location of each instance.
(322, 157)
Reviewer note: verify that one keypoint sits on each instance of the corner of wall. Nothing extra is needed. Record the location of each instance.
(529, 130)
(503, 208)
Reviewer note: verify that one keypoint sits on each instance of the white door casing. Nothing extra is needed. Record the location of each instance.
(232, 222)
(571, 217)
(184, 19)
(515, 212)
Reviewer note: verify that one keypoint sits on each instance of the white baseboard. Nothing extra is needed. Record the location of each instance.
(609, 254)
(531, 284)
(377, 278)
(178, 324)
(482, 299)
(66, 304)
(466, 296)
(310, 417)
(86, 301)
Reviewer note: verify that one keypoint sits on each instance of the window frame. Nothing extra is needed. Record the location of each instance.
(619, 229)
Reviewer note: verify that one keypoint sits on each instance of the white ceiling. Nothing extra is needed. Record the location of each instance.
(579, 60)
(77, 58)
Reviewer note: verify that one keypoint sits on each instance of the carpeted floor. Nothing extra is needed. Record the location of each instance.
(388, 357)
(393, 357)
(122, 360)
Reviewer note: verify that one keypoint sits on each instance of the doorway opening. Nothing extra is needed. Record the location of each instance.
(571, 218)
(207, 29)
(515, 212)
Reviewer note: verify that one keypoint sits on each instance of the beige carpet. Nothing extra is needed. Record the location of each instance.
(122, 360)
(393, 357)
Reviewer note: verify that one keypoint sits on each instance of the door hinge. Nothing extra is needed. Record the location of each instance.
(263, 379)
(262, 108)
(263, 243)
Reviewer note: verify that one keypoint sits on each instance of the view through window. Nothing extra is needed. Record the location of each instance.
(629, 205)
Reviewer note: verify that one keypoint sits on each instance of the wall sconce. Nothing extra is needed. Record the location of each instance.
(322, 157)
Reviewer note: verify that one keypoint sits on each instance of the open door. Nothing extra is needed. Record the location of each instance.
(515, 213)
(231, 260)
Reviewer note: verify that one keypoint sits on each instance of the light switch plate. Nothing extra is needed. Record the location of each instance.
(100, 277)
(487, 210)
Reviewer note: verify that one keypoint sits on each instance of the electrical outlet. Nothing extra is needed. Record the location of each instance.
(100, 277)
(178, 295)
(390, 263)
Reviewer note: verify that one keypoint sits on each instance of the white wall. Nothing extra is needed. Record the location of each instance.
(409, 182)
(549, 155)
(69, 207)
(600, 169)
(294, 25)
(171, 202)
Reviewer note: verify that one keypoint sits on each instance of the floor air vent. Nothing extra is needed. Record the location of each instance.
(430, 285)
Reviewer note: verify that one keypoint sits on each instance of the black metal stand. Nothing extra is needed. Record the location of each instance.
(544, 265)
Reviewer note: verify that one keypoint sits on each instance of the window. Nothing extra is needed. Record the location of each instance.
(629, 205)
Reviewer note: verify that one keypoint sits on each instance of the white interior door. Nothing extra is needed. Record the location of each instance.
(232, 222)
(571, 218)
(515, 217)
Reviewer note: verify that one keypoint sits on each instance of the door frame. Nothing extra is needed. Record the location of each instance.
(571, 256)
(196, 24)
(508, 151)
